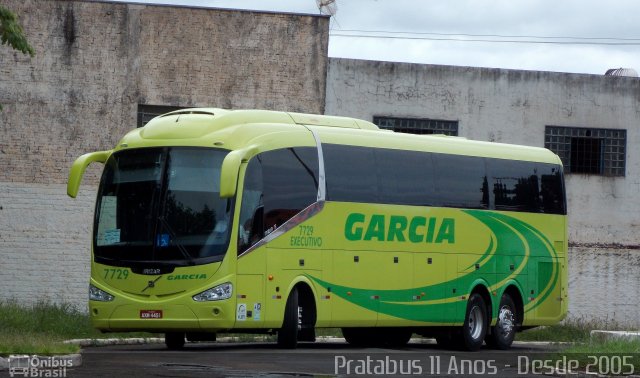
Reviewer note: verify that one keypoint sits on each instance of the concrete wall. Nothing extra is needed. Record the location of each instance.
(514, 107)
(604, 284)
(94, 63)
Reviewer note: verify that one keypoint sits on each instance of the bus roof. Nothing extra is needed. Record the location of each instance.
(267, 130)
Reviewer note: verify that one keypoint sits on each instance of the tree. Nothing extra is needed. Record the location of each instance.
(11, 32)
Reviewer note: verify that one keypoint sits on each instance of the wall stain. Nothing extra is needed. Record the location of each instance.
(69, 27)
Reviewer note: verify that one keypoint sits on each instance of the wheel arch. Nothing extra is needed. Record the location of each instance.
(480, 286)
(303, 283)
(307, 294)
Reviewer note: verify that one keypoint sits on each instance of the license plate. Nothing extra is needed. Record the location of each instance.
(150, 314)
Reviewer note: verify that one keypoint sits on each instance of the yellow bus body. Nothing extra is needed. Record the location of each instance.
(365, 264)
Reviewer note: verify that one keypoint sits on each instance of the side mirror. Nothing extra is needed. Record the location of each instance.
(230, 169)
(78, 168)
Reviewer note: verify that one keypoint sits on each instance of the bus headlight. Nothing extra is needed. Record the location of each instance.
(96, 294)
(217, 293)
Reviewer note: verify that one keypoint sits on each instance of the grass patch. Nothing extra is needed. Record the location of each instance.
(570, 330)
(34, 343)
(605, 357)
(41, 328)
(329, 332)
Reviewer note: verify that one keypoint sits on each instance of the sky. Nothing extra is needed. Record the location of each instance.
(578, 36)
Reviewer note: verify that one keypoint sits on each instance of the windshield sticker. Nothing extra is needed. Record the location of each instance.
(107, 224)
(112, 236)
(256, 311)
(241, 314)
(162, 240)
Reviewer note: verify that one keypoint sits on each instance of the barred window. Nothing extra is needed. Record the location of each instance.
(148, 112)
(587, 150)
(417, 125)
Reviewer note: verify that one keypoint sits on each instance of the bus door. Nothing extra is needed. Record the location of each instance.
(251, 264)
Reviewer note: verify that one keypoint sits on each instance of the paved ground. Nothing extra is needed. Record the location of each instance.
(309, 360)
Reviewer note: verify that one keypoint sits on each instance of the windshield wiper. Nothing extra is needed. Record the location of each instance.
(181, 248)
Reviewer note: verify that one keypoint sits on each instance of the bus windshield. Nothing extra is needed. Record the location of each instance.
(161, 205)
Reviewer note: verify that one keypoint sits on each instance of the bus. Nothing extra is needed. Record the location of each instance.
(211, 221)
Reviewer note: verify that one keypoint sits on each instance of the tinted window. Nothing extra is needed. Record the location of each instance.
(461, 181)
(376, 175)
(350, 173)
(527, 186)
(405, 177)
(552, 196)
(278, 185)
(515, 185)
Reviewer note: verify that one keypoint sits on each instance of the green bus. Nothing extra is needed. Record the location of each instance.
(211, 221)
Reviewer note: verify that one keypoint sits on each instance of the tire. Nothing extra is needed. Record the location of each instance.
(174, 340)
(448, 340)
(503, 333)
(475, 324)
(395, 337)
(288, 334)
(359, 337)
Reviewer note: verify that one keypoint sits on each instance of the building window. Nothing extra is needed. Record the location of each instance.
(588, 151)
(417, 125)
(147, 112)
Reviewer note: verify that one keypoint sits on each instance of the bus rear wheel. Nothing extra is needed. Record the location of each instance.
(503, 333)
(360, 337)
(174, 340)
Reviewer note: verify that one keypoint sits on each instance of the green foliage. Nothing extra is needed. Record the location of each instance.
(42, 328)
(58, 320)
(570, 330)
(11, 32)
(606, 357)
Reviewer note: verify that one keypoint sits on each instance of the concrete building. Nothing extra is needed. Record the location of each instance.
(99, 69)
(591, 121)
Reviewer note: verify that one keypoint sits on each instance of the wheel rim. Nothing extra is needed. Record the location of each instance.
(476, 322)
(506, 321)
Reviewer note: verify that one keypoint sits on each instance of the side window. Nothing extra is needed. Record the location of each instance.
(290, 183)
(461, 181)
(277, 185)
(405, 177)
(552, 197)
(251, 227)
(398, 177)
(515, 185)
(350, 173)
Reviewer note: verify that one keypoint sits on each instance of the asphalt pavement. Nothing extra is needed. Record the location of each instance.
(325, 359)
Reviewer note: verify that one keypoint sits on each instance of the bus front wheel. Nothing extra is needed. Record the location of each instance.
(288, 334)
